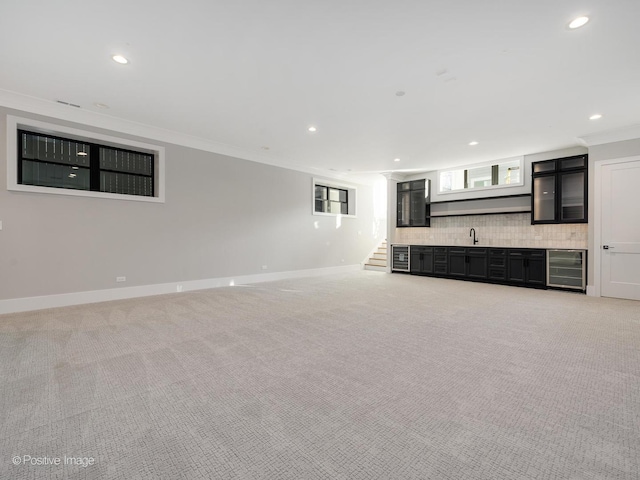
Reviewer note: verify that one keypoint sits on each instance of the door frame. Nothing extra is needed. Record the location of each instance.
(597, 219)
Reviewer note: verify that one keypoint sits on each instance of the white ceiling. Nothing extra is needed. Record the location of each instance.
(251, 74)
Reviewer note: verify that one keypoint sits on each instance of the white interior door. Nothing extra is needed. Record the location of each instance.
(620, 255)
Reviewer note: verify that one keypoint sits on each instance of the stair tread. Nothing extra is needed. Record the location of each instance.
(378, 259)
(375, 269)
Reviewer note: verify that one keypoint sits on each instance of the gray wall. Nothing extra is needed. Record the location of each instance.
(223, 217)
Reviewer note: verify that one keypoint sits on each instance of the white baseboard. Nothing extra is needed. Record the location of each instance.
(591, 291)
(15, 305)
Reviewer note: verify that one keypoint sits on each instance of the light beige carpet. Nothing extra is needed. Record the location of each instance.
(358, 376)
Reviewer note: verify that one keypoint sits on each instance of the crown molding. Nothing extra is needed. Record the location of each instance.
(395, 176)
(611, 136)
(81, 116)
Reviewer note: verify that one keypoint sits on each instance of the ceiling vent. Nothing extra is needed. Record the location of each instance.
(67, 103)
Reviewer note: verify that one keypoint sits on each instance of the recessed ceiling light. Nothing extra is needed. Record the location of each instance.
(312, 129)
(72, 175)
(400, 93)
(82, 154)
(578, 22)
(396, 159)
(101, 105)
(75, 168)
(120, 59)
(596, 116)
(473, 143)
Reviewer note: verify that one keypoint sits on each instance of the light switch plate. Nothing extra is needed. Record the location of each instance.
(0, 224)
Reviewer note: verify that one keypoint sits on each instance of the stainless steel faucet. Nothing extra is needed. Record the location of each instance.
(473, 232)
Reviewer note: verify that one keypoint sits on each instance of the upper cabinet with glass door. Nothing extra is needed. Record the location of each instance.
(413, 203)
(559, 190)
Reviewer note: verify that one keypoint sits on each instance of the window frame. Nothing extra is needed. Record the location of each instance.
(328, 200)
(350, 190)
(14, 124)
(493, 165)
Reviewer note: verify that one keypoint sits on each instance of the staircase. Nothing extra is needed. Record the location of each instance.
(378, 260)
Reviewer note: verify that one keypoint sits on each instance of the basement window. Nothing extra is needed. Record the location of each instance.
(505, 173)
(333, 199)
(61, 160)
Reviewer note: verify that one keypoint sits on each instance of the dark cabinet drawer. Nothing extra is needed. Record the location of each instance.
(440, 260)
(514, 266)
(497, 273)
(440, 268)
(498, 261)
(497, 258)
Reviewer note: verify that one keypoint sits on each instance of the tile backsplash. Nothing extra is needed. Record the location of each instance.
(511, 230)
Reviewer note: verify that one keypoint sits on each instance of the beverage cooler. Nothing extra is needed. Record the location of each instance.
(399, 258)
(567, 269)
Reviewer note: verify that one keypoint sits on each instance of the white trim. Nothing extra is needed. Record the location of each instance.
(597, 220)
(79, 298)
(14, 123)
(398, 176)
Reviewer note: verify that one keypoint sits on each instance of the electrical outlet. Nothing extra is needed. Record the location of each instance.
(0, 224)
(121, 279)
(178, 288)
